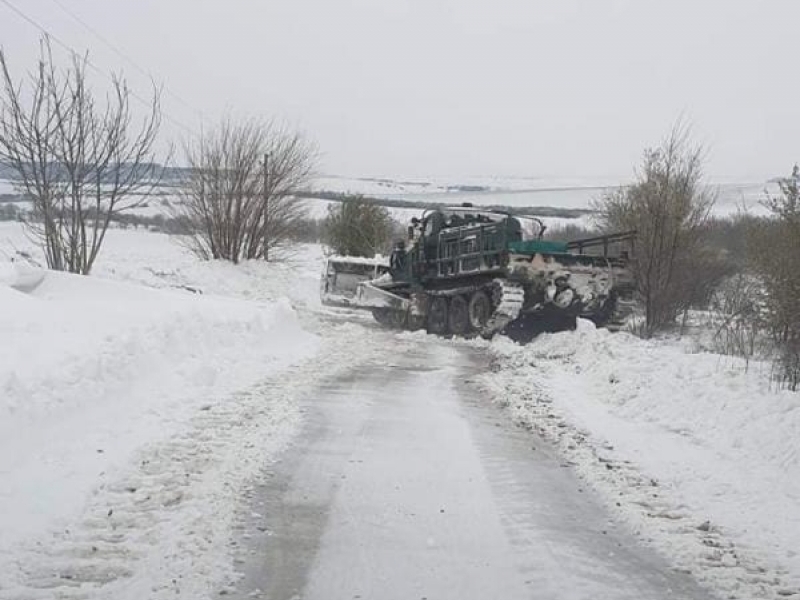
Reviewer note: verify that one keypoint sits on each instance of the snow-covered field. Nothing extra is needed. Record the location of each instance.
(137, 405)
(394, 187)
(573, 193)
(318, 209)
(567, 193)
(701, 458)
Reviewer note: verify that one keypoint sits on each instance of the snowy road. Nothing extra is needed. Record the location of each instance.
(406, 484)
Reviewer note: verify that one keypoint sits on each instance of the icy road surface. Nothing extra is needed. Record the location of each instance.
(406, 484)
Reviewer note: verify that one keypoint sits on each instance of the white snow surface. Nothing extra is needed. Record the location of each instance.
(6, 187)
(318, 209)
(701, 458)
(372, 186)
(391, 187)
(92, 371)
(564, 192)
(137, 405)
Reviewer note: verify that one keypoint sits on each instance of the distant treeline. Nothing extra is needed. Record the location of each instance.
(167, 176)
(727, 235)
(539, 211)
(171, 176)
(308, 231)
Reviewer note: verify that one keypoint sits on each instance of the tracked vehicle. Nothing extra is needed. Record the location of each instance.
(466, 271)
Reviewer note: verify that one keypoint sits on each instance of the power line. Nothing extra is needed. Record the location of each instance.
(122, 54)
(94, 67)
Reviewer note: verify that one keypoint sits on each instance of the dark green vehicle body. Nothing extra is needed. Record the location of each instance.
(464, 254)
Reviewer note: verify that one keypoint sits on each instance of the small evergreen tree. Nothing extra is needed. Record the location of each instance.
(358, 227)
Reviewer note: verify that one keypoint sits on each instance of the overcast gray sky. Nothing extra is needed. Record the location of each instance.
(414, 88)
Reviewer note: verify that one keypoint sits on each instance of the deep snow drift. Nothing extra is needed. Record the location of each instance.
(133, 419)
(92, 372)
(697, 455)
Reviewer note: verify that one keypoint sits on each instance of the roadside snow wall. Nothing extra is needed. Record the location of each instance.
(699, 456)
(91, 371)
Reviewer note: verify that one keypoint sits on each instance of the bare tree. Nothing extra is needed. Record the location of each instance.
(240, 196)
(668, 207)
(80, 161)
(358, 227)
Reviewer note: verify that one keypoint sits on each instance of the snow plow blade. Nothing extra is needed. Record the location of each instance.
(371, 296)
(342, 276)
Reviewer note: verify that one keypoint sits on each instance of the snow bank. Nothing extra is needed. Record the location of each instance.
(138, 407)
(92, 372)
(695, 453)
(162, 261)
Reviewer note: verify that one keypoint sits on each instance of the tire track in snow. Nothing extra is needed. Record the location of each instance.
(164, 526)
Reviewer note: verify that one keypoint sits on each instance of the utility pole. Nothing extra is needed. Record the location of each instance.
(267, 192)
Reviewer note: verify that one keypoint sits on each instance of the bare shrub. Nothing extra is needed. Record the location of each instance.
(668, 207)
(737, 310)
(358, 227)
(308, 231)
(240, 197)
(80, 160)
(729, 237)
(786, 367)
(775, 258)
(786, 206)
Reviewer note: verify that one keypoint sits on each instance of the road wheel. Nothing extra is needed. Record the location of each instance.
(437, 315)
(397, 319)
(479, 310)
(418, 311)
(605, 314)
(458, 319)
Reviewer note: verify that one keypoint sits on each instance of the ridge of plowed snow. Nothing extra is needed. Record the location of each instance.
(92, 371)
(699, 456)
